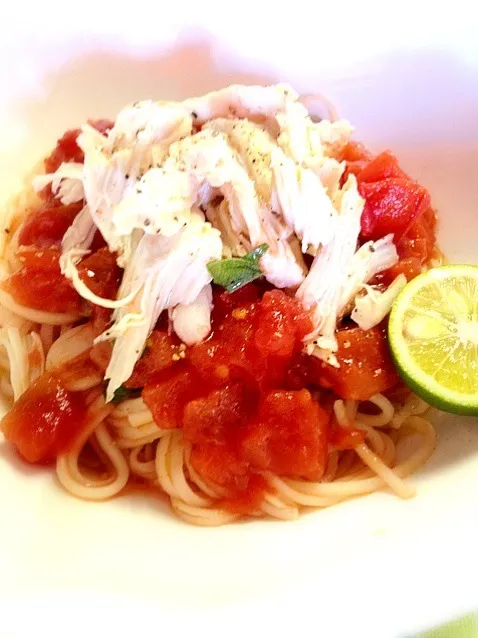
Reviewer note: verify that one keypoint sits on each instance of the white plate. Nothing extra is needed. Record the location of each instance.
(375, 566)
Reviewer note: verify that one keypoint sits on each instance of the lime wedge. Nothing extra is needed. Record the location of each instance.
(433, 337)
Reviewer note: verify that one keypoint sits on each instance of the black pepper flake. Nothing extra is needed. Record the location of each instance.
(127, 175)
(194, 114)
(372, 248)
(147, 222)
(7, 231)
(254, 161)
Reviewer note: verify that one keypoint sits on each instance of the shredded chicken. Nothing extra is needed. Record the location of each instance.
(250, 161)
(371, 308)
(166, 271)
(322, 289)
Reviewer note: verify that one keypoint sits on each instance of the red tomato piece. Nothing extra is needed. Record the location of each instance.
(288, 437)
(410, 267)
(67, 150)
(420, 239)
(281, 324)
(218, 462)
(229, 352)
(218, 415)
(40, 284)
(46, 227)
(45, 421)
(167, 397)
(100, 272)
(391, 206)
(381, 167)
(365, 368)
(157, 358)
(226, 302)
(356, 158)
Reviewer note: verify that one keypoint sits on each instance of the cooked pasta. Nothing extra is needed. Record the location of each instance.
(264, 400)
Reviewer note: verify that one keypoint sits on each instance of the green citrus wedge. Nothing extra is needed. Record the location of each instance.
(433, 336)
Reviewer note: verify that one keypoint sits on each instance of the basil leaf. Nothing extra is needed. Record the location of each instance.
(123, 393)
(234, 273)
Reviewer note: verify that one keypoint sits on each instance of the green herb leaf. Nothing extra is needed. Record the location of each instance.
(123, 393)
(234, 273)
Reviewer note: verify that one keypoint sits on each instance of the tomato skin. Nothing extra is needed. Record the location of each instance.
(45, 227)
(391, 206)
(366, 367)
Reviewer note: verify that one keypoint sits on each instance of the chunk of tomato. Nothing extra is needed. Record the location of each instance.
(288, 437)
(166, 397)
(381, 167)
(280, 325)
(218, 415)
(391, 206)
(46, 420)
(46, 226)
(366, 366)
(158, 357)
(67, 149)
(100, 272)
(40, 284)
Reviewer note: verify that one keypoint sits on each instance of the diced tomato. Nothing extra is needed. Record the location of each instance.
(46, 226)
(365, 363)
(102, 275)
(100, 354)
(218, 462)
(221, 464)
(346, 438)
(419, 241)
(226, 302)
(229, 352)
(355, 156)
(218, 415)
(253, 341)
(40, 284)
(167, 397)
(381, 167)
(67, 150)
(410, 267)
(281, 324)
(158, 357)
(391, 206)
(415, 249)
(288, 437)
(46, 420)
